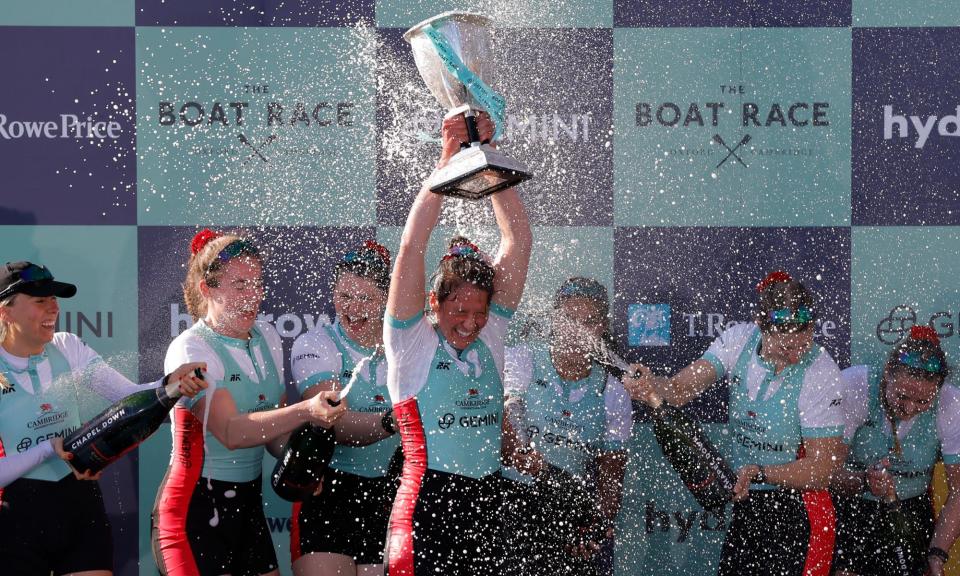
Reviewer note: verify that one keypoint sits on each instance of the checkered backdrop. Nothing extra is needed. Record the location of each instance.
(681, 149)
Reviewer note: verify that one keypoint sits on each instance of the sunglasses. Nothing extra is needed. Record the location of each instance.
(368, 258)
(915, 359)
(786, 316)
(30, 274)
(232, 250)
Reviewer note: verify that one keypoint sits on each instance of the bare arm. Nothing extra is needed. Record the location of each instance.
(513, 257)
(352, 428)
(813, 471)
(948, 523)
(677, 390)
(237, 430)
(407, 284)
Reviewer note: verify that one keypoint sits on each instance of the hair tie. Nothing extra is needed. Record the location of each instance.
(379, 249)
(773, 278)
(925, 333)
(201, 239)
(464, 250)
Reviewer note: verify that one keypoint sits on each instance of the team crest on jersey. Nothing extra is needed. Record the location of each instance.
(262, 404)
(566, 414)
(473, 400)
(48, 415)
(379, 399)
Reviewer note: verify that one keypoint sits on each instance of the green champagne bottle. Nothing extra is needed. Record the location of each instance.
(121, 427)
(701, 467)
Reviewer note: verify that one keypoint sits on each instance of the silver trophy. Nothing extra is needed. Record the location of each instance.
(442, 46)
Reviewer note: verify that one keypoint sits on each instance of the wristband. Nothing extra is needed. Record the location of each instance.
(760, 477)
(386, 421)
(938, 553)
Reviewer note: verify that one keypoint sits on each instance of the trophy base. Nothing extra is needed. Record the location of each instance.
(476, 172)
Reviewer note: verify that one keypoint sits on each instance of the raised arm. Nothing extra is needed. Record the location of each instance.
(513, 257)
(407, 284)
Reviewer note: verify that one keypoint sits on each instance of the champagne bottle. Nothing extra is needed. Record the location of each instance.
(300, 467)
(700, 465)
(898, 534)
(121, 427)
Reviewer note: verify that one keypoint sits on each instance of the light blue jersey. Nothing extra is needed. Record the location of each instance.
(569, 423)
(250, 370)
(870, 435)
(327, 353)
(771, 414)
(459, 393)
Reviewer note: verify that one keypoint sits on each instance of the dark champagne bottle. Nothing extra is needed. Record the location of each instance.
(700, 465)
(120, 428)
(899, 536)
(300, 467)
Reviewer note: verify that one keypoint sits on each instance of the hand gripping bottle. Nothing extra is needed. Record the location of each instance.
(121, 427)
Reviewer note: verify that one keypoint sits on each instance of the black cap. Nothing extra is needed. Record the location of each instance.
(32, 280)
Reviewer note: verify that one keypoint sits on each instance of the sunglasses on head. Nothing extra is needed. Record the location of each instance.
(786, 316)
(31, 273)
(368, 258)
(914, 359)
(232, 250)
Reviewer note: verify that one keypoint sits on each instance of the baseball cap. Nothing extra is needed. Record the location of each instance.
(33, 280)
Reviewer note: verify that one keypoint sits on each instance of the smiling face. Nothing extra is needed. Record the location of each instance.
(462, 315)
(234, 301)
(908, 395)
(31, 322)
(785, 348)
(359, 305)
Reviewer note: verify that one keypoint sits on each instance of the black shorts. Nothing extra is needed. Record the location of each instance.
(226, 532)
(348, 517)
(863, 547)
(456, 526)
(541, 520)
(769, 535)
(58, 527)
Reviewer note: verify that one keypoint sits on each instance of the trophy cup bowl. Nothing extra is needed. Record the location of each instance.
(479, 169)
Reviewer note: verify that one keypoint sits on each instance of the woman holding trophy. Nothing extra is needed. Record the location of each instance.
(444, 378)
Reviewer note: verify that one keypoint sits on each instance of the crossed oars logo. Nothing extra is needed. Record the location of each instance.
(731, 151)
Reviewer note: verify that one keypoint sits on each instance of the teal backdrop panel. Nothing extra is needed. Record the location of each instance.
(906, 13)
(67, 13)
(661, 528)
(505, 13)
(255, 126)
(739, 127)
(902, 277)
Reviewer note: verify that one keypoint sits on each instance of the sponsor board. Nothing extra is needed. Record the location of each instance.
(276, 126)
(66, 126)
(730, 127)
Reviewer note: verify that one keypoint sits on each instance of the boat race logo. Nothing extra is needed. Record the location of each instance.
(733, 129)
(271, 119)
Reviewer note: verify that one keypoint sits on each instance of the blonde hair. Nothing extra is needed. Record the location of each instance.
(205, 265)
(8, 301)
